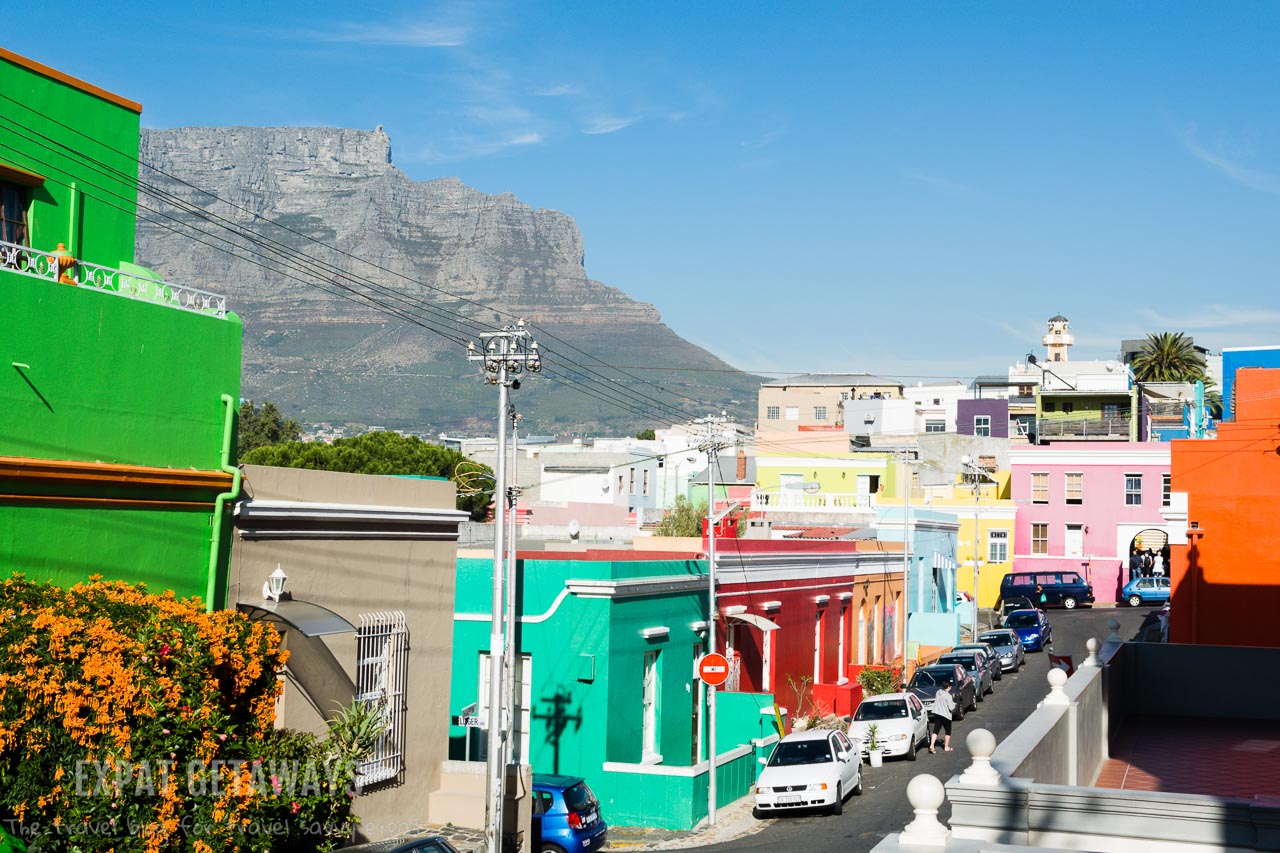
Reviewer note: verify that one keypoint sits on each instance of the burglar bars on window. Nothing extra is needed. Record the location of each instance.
(382, 666)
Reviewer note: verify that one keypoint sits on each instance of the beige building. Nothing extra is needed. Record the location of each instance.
(815, 401)
(367, 611)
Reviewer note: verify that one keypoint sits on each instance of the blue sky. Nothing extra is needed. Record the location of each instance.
(908, 189)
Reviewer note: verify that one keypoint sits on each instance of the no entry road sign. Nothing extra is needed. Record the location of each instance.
(713, 669)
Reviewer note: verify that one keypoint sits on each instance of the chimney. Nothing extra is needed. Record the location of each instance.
(742, 465)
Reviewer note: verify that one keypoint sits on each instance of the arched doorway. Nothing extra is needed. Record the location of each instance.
(1152, 543)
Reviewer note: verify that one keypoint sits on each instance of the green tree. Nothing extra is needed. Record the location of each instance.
(685, 519)
(377, 453)
(260, 426)
(1168, 357)
(646, 435)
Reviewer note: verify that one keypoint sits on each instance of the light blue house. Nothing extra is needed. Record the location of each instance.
(932, 618)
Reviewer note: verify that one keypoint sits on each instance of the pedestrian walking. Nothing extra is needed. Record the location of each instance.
(940, 716)
(1158, 567)
(1148, 563)
(1135, 564)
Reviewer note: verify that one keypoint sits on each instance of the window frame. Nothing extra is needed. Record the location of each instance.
(773, 413)
(382, 672)
(935, 425)
(1132, 493)
(983, 429)
(819, 413)
(998, 538)
(1078, 478)
(22, 195)
(791, 413)
(1166, 489)
(1039, 483)
(1039, 543)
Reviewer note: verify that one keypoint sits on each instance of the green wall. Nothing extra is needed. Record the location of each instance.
(70, 136)
(579, 721)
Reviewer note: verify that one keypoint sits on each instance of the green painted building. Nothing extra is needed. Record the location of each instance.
(118, 391)
(608, 646)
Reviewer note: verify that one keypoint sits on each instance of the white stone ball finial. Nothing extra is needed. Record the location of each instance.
(926, 794)
(982, 744)
(1092, 645)
(1057, 680)
(1114, 627)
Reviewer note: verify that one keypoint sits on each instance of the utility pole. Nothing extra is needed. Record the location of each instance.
(711, 446)
(905, 615)
(972, 469)
(511, 656)
(504, 353)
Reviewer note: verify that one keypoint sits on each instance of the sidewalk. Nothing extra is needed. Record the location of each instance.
(734, 821)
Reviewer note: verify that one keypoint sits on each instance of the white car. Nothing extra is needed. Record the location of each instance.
(901, 721)
(811, 769)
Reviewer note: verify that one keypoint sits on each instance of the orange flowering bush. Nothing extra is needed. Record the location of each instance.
(138, 722)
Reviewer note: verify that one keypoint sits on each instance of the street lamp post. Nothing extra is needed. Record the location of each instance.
(711, 446)
(504, 353)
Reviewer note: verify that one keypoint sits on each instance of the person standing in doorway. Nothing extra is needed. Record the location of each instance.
(940, 716)
(1135, 564)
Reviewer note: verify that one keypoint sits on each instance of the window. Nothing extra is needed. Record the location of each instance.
(1166, 489)
(1049, 406)
(1026, 390)
(1040, 488)
(1110, 410)
(1075, 488)
(772, 413)
(1068, 407)
(631, 482)
(382, 668)
(819, 413)
(644, 482)
(1133, 490)
(935, 426)
(649, 702)
(1071, 577)
(13, 214)
(997, 546)
(619, 484)
(982, 425)
(1039, 539)
(793, 413)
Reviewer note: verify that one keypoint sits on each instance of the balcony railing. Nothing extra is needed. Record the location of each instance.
(1116, 426)
(816, 502)
(58, 267)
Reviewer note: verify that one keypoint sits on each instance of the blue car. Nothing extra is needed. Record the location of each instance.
(1146, 591)
(1032, 627)
(566, 815)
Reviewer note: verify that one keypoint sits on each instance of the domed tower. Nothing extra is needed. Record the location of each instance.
(1058, 340)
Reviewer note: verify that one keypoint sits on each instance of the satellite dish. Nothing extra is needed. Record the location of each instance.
(811, 488)
(574, 529)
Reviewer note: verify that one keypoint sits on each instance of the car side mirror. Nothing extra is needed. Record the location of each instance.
(843, 756)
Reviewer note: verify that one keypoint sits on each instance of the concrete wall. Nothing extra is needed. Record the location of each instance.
(353, 577)
(1234, 359)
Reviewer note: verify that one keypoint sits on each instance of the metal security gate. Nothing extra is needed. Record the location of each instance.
(382, 667)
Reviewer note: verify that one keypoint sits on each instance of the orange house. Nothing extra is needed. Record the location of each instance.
(1226, 579)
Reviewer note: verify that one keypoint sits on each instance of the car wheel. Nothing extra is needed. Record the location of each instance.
(1069, 603)
(756, 813)
(550, 848)
(838, 806)
(857, 789)
(1135, 600)
(973, 702)
(958, 714)
(911, 750)
(980, 693)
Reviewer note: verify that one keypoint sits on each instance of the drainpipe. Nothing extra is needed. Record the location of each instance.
(73, 221)
(220, 502)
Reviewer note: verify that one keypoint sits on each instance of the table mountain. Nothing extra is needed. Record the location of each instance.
(451, 257)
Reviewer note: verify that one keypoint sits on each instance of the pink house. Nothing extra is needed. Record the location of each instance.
(1082, 507)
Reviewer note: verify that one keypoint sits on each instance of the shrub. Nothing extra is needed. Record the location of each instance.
(139, 722)
(876, 679)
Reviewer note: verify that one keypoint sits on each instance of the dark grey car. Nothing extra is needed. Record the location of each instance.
(975, 663)
(993, 659)
(1008, 646)
(927, 679)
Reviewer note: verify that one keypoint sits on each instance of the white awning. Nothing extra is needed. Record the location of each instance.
(944, 561)
(752, 619)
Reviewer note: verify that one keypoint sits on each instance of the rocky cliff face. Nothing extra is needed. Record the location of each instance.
(447, 254)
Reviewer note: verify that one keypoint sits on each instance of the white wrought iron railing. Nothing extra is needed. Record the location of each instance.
(60, 267)
(382, 667)
(818, 501)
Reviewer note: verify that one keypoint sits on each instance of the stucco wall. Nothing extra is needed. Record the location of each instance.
(997, 410)
(354, 577)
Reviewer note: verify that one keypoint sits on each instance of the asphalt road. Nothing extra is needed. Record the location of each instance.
(883, 807)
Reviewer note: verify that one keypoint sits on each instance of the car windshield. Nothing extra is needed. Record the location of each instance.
(882, 709)
(932, 677)
(792, 753)
(579, 798)
(1022, 620)
(996, 639)
(969, 662)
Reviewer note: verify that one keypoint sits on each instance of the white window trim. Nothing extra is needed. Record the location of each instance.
(382, 669)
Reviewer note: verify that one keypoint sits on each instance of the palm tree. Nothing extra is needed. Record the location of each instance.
(1168, 357)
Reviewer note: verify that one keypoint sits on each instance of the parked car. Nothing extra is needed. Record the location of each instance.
(926, 680)
(817, 768)
(1146, 591)
(993, 659)
(1061, 589)
(901, 721)
(1032, 627)
(975, 663)
(1017, 602)
(566, 815)
(429, 844)
(1008, 646)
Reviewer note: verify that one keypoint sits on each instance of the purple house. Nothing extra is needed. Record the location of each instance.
(989, 418)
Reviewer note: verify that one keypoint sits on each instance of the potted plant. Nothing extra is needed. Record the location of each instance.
(875, 749)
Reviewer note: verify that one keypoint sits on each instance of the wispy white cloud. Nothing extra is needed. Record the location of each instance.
(1215, 317)
(765, 139)
(609, 124)
(470, 147)
(402, 35)
(560, 91)
(1246, 177)
(940, 182)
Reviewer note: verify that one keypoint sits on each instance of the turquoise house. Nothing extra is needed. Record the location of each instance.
(608, 644)
(931, 601)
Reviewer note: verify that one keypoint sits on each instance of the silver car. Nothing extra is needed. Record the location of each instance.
(1008, 646)
(993, 659)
